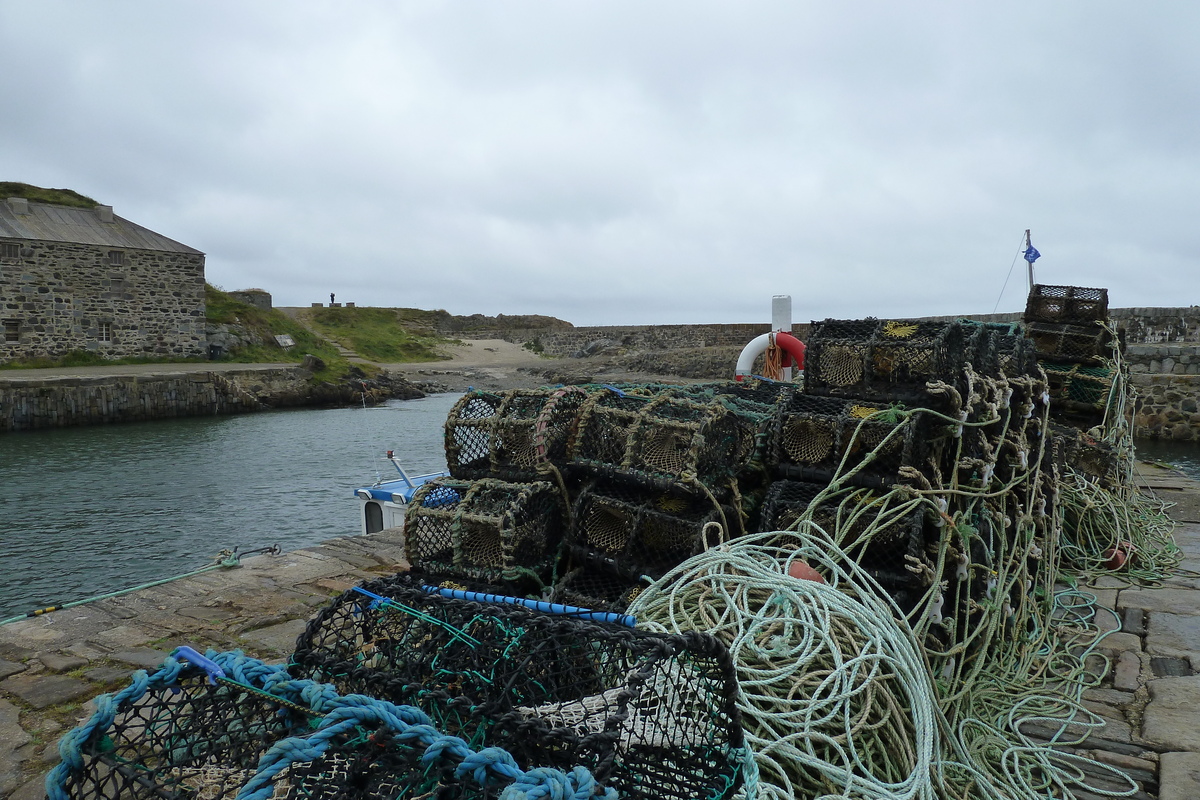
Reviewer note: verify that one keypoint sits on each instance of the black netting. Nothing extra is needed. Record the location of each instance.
(592, 581)
(489, 530)
(653, 716)
(1074, 304)
(1016, 355)
(1070, 344)
(643, 531)
(511, 435)
(886, 360)
(668, 439)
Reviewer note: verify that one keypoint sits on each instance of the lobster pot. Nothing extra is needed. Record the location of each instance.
(652, 716)
(888, 543)
(1069, 304)
(817, 434)
(486, 530)
(757, 402)
(886, 361)
(641, 530)
(1074, 452)
(175, 734)
(662, 440)
(1015, 355)
(1070, 344)
(1076, 388)
(512, 435)
(597, 583)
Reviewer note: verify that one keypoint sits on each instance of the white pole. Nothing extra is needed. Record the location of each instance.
(781, 320)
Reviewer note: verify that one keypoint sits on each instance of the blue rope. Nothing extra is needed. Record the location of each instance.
(536, 605)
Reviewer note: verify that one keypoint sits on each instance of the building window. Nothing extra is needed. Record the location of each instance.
(12, 330)
(116, 258)
(10, 250)
(104, 332)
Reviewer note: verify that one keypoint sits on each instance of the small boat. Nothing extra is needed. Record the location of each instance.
(383, 503)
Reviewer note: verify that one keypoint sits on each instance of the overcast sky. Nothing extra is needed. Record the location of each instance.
(628, 162)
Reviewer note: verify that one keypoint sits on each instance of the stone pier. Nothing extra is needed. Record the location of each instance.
(51, 666)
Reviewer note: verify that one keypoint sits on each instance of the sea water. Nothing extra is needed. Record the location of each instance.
(90, 510)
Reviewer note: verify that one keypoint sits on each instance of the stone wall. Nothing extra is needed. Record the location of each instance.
(1164, 359)
(257, 298)
(568, 342)
(1167, 407)
(60, 297)
(27, 403)
(1142, 325)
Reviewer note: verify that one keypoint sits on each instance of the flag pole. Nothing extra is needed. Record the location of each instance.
(1029, 245)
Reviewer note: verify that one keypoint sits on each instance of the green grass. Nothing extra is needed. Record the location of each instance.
(224, 308)
(380, 334)
(60, 197)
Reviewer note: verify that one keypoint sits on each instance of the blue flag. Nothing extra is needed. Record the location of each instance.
(1031, 254)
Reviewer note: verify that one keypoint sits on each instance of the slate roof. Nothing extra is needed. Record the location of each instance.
(52, 223)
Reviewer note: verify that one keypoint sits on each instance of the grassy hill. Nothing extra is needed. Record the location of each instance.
(387, 335)
(60, 197)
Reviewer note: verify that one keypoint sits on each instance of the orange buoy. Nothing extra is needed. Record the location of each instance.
(1118, 555)
(802, 571)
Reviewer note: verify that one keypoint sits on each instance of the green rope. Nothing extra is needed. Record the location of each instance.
(226, 559)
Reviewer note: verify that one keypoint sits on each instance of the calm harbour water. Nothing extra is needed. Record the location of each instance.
(84, 511)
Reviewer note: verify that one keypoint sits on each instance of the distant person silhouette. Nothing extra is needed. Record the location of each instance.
(331, 298)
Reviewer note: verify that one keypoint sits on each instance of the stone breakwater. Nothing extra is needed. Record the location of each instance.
(36, 401)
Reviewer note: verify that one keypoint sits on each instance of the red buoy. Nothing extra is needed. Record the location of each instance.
(802, 571)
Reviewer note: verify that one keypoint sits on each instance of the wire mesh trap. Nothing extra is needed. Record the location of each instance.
(1078, 388)
(226, 726)
(1071, 304)
(595, 582)
(662, 439)
(512, 435)
(487, 530)
(643, 531)
(819, 437)
(1073, 451)
(650, 715)
(1070, 344)
(885, 360)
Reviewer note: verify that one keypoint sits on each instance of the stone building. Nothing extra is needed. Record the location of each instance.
(85, 279)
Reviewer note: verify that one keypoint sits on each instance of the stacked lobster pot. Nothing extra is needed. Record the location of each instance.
(857, 430)
(584, 493)
(898, 422)
(1068, 326)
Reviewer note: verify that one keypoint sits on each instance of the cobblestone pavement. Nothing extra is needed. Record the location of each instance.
(51, 666)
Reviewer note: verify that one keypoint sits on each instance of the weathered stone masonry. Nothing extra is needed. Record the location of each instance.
(122, 291)
(28, 403)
